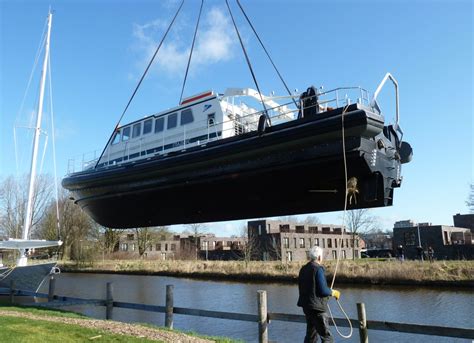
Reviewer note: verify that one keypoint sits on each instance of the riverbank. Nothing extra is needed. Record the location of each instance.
(371, 272)
(21, 324)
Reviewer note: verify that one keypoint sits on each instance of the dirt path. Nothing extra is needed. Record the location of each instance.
(112, 327)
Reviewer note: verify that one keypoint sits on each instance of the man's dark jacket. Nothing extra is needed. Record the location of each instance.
(313, 288)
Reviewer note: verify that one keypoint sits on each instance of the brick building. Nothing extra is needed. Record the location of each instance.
(221, 248)
(277, 240)
(448, 242)
(161, 245)
(166, 246)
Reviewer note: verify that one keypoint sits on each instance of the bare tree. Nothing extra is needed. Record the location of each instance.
(105, 239)
(197, 230)
(14, 199)
(147, 236)
(288, 219)
(75, 226)
(309, 220)
(250, 247)
(470, 199)
(312, 220)
(358, 221)
(143, 238)
(110, 239)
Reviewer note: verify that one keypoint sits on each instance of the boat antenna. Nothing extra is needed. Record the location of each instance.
(191, 51)
(266, 52)
(139, 83)
(248, 62)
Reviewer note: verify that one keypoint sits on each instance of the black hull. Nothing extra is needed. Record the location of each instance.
(292, 168)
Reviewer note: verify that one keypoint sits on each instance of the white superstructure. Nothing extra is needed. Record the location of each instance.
(198, 120)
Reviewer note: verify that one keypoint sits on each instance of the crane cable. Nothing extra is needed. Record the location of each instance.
(248, 63)
(342, 233)
(191, 52)
(140, 82)
(266, 52)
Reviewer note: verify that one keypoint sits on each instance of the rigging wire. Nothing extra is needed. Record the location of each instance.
(45, 146)
(191, 52)
(266, 52)
(20, 111)
(53, 136)
(342, 232)
(140, 82)
(248, 62)
(35, 63)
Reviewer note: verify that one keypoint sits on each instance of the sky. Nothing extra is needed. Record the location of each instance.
(99, 50)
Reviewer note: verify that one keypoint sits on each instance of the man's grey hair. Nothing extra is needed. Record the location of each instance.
(315, 252)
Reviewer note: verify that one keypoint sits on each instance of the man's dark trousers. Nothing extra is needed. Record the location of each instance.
(317, 323)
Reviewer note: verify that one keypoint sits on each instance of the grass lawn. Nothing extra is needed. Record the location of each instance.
(27, 330)
(19, 329)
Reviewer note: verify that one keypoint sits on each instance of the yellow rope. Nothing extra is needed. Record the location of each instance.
(342, 233)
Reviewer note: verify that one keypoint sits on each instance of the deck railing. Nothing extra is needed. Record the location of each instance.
(248, 122)
(263, 318)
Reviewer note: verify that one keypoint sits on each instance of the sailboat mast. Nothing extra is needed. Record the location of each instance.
(31, 187)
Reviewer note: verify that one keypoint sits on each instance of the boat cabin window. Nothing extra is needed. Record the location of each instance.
(137, 130)
(116, 137)
(211, 119)
(126, 134)
(147, 126)
(159, 125)
(172, 120)
(187, 116)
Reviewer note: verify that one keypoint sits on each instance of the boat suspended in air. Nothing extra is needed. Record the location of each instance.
(215, 157)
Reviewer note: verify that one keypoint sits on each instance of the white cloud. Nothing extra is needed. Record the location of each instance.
(216, 40)
(214, 43)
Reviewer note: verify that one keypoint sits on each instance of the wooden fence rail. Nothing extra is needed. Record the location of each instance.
(263, 317)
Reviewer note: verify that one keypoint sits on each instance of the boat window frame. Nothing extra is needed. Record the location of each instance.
(116, 140)
(172, 121)
(126, 137)
(185, 118)
(134, 126)
(149, 120)
(160, 128)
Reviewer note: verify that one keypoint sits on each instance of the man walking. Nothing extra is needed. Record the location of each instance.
(313, 297)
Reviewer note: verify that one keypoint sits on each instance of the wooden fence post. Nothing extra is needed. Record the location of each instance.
(363, 332)
(52, 286)
(12, 292)
(169, 307)
(109, 301)
(262, 317)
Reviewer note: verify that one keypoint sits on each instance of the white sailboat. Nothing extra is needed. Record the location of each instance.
(29, 276)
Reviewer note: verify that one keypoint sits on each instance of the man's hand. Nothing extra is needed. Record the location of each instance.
(336, 294)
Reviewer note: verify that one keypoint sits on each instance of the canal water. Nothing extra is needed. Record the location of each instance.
(440, 306)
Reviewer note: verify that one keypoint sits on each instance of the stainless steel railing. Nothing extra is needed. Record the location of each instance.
(334, 98)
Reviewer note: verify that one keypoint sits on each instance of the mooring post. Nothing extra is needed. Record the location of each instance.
(363, 332)
(52, 286)
(169, 307)
(109, 301)
(262, 317)
(12, 292)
